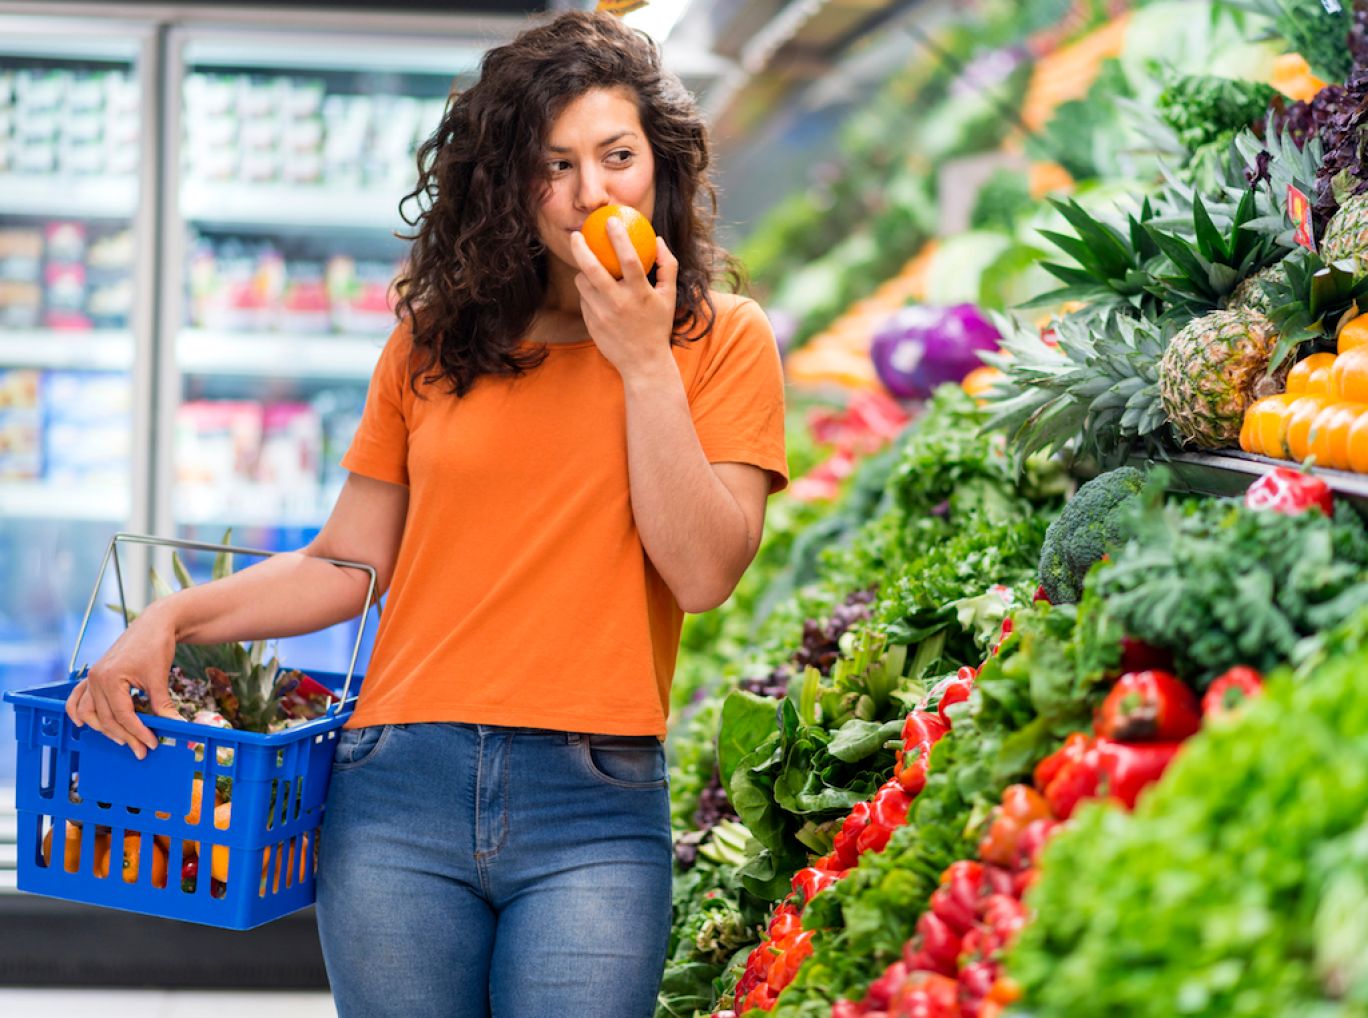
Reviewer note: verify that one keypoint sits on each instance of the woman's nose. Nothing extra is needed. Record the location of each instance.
(591, 193)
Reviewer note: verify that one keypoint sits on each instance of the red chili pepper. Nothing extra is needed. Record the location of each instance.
(846, 842)
(1230, 690)
(1150, 706)
(189, 875)
(810, 882)
(1127, 768)
(1290, 491)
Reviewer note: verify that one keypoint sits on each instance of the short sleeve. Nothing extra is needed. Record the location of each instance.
(737, 402)
(380, 446)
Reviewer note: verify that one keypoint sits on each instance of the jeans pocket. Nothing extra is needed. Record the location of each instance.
(625, 761)
(355, 746)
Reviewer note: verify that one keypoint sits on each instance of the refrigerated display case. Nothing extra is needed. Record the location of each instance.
(77, 218)
(292, 157)
(198, 209)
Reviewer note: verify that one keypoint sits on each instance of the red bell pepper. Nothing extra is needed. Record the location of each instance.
(1049, 767)
(1021, 804)
(939, 941)
(1230, 690)
(848, 837)
(887, 813)
(1127, 768)
(953, 911)
(1032, 841)
(923, 726)
(921, 731)
(880, 992)
(793, 951)
(955, 691)
(1137, 656)
(1291, 492)
(811, 881)
(785, 924)
(926, 995)
(1150, 706)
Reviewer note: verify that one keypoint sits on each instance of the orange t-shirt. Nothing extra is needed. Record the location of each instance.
(522, 594)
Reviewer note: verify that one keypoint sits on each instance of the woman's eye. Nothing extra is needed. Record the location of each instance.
(621, 156)
(558, 166)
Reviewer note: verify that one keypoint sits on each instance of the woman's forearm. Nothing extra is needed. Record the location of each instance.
(690, 524)
(284, 595)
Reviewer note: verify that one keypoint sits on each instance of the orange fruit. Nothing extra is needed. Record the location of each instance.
(980, 380)
(639, 232)
(1247, 431)
(1349, 376)
(71, 853)
(1320, 383)
(1300, 374)
(1358, 445)
(1300, 415)
(1354, 334)
(1330, 434)
(1270, 423)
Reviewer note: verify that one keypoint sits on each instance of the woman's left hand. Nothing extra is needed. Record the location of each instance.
(629, 319)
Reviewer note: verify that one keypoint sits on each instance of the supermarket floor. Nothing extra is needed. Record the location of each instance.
(162, 1004)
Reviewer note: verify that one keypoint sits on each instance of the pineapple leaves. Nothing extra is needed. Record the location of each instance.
(1312, 302)
(182, 574)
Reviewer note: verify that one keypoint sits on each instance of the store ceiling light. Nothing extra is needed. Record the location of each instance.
(658, 17)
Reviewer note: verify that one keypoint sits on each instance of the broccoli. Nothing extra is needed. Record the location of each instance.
(1092, 523)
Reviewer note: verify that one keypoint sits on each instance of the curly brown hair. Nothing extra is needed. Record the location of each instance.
(477, 270)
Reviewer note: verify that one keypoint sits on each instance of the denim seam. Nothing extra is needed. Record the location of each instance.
(379, 744)
(502, 838)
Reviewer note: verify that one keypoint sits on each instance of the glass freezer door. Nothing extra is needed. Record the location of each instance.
(76, 229)
(295, 152)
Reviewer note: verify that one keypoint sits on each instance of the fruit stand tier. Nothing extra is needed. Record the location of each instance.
(1230, 473)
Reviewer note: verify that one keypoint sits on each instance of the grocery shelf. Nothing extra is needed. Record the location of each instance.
(65, 349)
(70, 198)
(1229, 473)
(36, 500)
(208, 352)
(277, 205)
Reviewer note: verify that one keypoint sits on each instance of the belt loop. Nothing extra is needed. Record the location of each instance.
(573, 738)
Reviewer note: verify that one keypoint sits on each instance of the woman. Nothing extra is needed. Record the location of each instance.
(553, 465)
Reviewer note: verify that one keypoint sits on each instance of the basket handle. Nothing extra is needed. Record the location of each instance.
(112, 553)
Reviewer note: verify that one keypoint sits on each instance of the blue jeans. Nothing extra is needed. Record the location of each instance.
(471, 870)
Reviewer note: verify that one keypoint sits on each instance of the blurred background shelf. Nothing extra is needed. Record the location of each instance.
(277, 355)
(69, 197)
(38, 501)
(279, 205)
(98, 350)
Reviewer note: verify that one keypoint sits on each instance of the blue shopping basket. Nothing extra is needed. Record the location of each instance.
(99, 826)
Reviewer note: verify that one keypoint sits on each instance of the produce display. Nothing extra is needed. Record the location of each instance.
(989, 728)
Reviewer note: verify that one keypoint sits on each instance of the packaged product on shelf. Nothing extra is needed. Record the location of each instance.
(218, 443)
(20, 426)
(339, 409)
(305, 307)
(87, 428)
(109, 277)
(288, 466)
(362, 296)
(21, 255)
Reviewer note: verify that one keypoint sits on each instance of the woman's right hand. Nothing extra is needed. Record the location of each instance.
(140, 658)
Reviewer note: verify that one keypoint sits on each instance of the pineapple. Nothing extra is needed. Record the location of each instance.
(1346, 236)
(249, 694)
(1117, 387)
(1212, 370)
(1252, 295)
(1311, 300)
